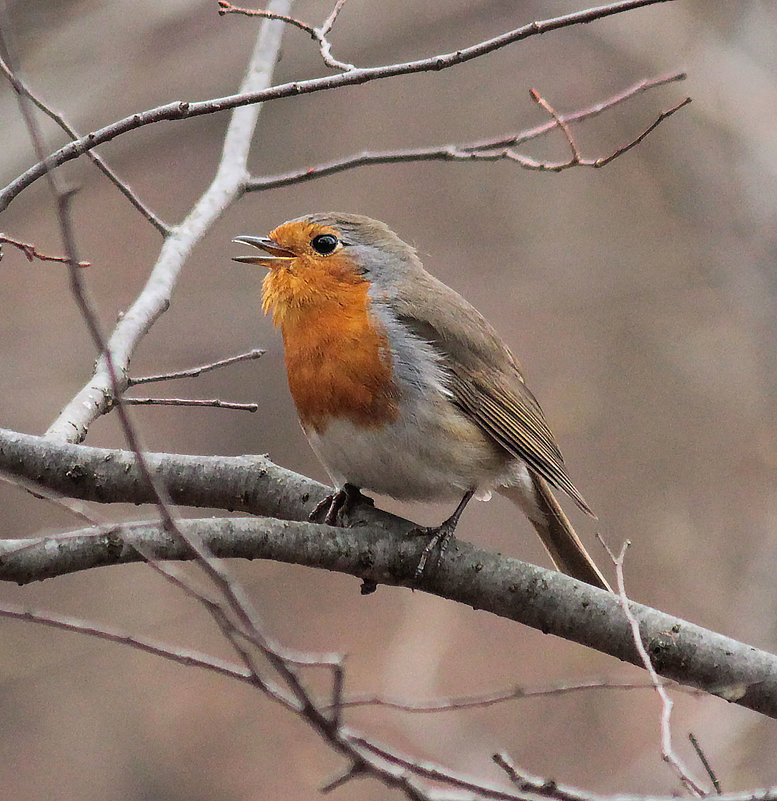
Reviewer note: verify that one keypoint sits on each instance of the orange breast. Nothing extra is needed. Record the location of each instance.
(337, 355)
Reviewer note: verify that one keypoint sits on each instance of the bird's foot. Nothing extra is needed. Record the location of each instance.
(439, 536)
(335, 507)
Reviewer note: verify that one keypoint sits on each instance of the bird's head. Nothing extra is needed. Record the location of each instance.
(327, 258)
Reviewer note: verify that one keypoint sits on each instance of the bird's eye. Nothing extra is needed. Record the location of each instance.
(324, 244)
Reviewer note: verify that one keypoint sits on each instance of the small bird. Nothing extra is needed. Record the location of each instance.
(402, 387)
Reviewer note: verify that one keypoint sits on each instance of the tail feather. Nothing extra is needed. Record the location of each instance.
(555, 530)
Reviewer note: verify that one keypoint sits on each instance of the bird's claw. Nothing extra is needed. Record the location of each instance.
(439, 535)
(336, 506)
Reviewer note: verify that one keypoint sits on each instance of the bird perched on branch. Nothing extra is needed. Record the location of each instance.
(402, 387)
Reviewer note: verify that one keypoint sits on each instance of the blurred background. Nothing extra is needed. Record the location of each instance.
(641, 300)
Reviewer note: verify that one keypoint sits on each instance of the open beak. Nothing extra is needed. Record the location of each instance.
(274, 252)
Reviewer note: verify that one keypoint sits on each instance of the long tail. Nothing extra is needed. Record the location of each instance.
(556, 532)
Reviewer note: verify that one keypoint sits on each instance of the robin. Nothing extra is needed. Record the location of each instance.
(402, 387)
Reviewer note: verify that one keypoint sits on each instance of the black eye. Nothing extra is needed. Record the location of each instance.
(324, 244)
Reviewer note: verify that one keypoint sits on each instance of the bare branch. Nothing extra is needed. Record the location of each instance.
(183, 109)
(31, 252)
(535, 96)
(705, 762)
(21, 88)
(331, 19)
(97, 397)
(542, 599)
(667, 751)
(499, 697)
(173, 653)
(576, 160)
(454, 152)
(194, 372)
(634, 142)
(214, 403)
(318, 34)
(228, 8)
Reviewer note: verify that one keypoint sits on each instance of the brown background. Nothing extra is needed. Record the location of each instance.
(639, 298)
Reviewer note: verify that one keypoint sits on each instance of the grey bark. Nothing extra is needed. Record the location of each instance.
(372, 548)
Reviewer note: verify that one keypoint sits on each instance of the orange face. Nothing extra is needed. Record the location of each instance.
(338, 358)
(302, 277)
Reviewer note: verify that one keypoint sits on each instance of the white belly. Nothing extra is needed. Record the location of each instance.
(418, 457)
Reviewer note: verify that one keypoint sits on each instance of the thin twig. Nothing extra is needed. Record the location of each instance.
(634, 142)
(194, 372)
(705, 762)
(667, 750)
(576, 160)
(31, 252)
(173, 653)
(327, 24)
(560, 121)
(318, 34)
(96, 158)
(454, 152)
(180, 110)
(228, 8)
(210, 402)
(491, 699)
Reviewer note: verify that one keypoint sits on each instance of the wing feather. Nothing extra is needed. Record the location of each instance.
(486, 380)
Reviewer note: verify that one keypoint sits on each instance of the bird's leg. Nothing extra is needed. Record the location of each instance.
(441, 534)
(332, 509)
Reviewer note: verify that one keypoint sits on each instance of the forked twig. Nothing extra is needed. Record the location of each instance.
(576, 160)
(492, 149)
(194, 372)
(31, 252)
(491, 699)
(319, 34)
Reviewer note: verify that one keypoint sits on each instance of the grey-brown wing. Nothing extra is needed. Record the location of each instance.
(511, 415)
(486, 381)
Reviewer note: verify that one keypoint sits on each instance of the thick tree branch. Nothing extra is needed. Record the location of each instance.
(97, 396)
(373, 549)
(540, 598)
(179, 110)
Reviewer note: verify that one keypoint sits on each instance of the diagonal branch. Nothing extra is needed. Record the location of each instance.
(97, 397)
(21, 88)
(180, 110)
(373, 549)
(466, 151)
